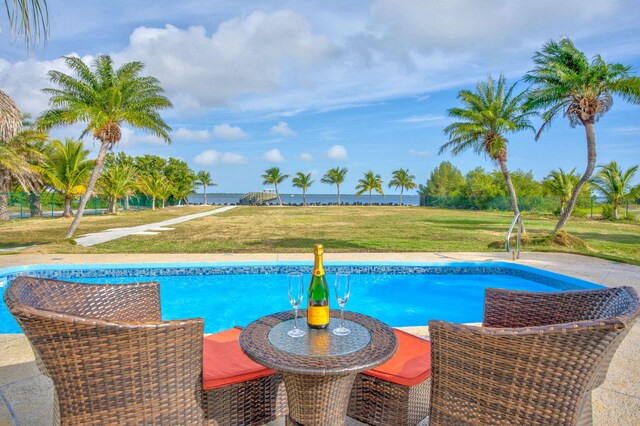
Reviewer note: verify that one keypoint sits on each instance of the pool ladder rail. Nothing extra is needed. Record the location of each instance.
(517, 220)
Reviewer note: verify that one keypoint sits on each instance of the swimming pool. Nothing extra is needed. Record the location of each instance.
(228, 294)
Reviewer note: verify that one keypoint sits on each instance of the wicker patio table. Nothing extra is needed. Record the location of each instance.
(319, 368)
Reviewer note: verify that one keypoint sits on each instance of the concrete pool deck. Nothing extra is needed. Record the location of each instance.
(26, 396)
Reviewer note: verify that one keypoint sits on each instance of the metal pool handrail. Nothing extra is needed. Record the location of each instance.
(517, 219)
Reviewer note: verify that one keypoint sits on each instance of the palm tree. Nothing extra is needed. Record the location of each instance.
(566, 82)
(273, 177)
(335, 177)
(370, 182)
(182, 189)
(104, 98)
(303, 182)
(19, 163)
(204, 179)
(489, 114)
(68, 170)
(29, 19)
(614, 183)
(166, 192)
(117, 181)
(152, 185)
(403, 180)
(561, 184)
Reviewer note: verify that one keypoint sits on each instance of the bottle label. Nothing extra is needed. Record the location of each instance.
(318, 315)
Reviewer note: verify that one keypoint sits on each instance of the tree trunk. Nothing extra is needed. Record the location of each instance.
(512, 191)
(110, 204)
(126, 203)
(205, 193)
(338, 185)
(4, 195)
(591, 165)
(92, 183)
(153, 202)
(35, 204)
(4, 206)
(615, 209)
(401, 191)
(278, 194)
(67, 206)
(370, 203)
(163, 203)
(304, 197)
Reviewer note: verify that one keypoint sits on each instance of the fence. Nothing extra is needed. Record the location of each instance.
(585, 206)
(23, 205)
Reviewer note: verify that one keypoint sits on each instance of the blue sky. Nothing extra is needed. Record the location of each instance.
(307, 86)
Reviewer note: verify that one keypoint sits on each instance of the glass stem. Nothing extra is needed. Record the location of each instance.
(341, 316)
(295, 321)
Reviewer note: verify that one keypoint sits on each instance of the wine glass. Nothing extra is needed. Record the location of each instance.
(296, 292)
(343, 289)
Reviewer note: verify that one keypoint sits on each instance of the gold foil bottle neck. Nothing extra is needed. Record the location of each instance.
(318, 250)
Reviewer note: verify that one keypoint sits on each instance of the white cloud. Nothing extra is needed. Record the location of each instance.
(283, 129)
(426, 118)
(211, 157)
(191, 135)
(416, 153)
(245, 55)
(337, 152)
(627, 130)
(131, 137)
(230, 133)
(273, 156)
(305, 156)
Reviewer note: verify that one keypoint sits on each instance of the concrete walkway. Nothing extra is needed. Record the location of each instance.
(147, 229)
(26, 396)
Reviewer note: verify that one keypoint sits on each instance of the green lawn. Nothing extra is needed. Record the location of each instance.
(18, 233)
(355, 229)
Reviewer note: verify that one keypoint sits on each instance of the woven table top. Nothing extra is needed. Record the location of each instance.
(381, 345)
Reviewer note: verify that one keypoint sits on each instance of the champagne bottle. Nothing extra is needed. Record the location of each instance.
(318, 311)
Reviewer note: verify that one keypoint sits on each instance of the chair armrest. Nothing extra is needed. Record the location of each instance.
(511, 309)
(514, 376)
(153, 367)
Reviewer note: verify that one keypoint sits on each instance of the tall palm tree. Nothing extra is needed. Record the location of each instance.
(152, 185)
(273, 176)
(104, 98)
(68, 169)
(335, 177)
(166, 192)
(561, 184)
(614, 183)
(204, 179)
(567, 83)
(28, 18)
(403, 180)
(488, 116)
(368, 183)
(117, 181)
(303, 182)
(19, 163)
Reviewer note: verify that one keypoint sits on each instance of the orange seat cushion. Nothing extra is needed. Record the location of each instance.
(410, 365)
(224, 363)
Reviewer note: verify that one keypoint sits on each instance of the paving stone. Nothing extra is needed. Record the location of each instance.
(5, 416)
(615, 409)
(31, 400)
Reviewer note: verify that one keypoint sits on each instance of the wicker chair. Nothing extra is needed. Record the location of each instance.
(535, 361)
(114, 361)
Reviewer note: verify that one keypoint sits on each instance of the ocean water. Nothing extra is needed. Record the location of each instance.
(323, 199)
(396, 299)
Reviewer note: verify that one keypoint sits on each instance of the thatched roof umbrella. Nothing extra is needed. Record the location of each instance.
(10, 117)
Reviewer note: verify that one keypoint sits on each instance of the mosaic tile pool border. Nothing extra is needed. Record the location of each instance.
(542, 277)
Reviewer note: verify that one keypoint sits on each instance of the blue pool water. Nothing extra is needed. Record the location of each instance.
(397, 295)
